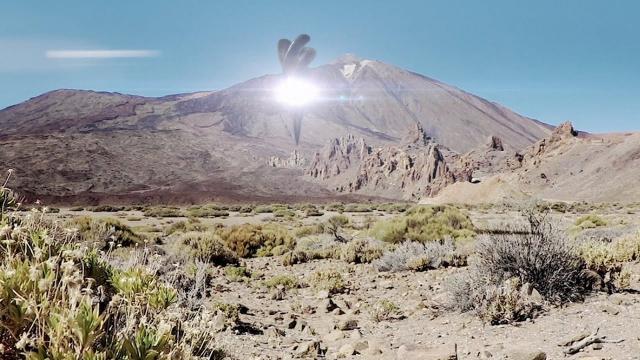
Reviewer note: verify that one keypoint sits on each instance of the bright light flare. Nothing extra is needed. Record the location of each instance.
(296, 92)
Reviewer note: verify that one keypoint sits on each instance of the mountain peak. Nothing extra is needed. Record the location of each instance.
(348, 58)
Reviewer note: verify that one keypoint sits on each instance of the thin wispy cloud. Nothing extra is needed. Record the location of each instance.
(100, 54)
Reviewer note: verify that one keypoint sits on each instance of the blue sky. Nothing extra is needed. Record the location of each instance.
(554, 60)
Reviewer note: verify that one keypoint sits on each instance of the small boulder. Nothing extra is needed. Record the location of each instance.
(526, 355)
(347, 324)
(347, 350)
(424, 353)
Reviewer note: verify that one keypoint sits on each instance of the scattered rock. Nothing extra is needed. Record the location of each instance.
(278, 294)
(414, 352)
(361, 346)
(610, 309)
(526, 355)
(337, 311)
(311, 348)
(333, 336)
(348, 324)
(274, 332)
(347, 350)
(327, 305)
(219, 323)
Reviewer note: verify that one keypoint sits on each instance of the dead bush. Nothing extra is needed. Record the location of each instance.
(536, 256)
(416, 256)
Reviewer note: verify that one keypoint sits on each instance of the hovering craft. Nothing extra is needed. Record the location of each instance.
(294, 58)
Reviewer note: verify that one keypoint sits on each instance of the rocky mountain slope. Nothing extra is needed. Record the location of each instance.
(565, 166)
(236, 144)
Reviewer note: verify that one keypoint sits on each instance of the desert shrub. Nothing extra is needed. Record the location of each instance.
(312, 248)
(246, 209)
(105, 233)
(77, 208)
(106, 208)
(230, 312)
(52, 303)
(329, 280)
(337, 207)
(313, 212)
(535, 256)
(589, 222)
(262, 209)
(208, 247)
(543, 257)
(361, 251)
(207, 211)
(416, 256)
(560, 207)
(500, 303)
(425, 223)
(284, 213)
(608, 260)
(285, 281)
(385, 310)
(393, 208)
(334, 226)
(308, 230)
(262, 240)
(295, 257)
(183, 226)
(358, 208)
(162, 212)
(237, 273)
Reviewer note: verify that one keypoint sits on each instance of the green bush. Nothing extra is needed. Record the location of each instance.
(50, 307)
(425, 223)
(608, 260)
(284, 213)
(250, 240)
(329, 280)
(106, 208)
(361, 251)
(106, 233)
(208, 211)
(208, 247)
(162, 212)
(308, 230)
(262, 209)
(589, 222)
(358, 208)
(385, 310)
(237, 273)
(286, 281)
(313, 213)
(192, 224)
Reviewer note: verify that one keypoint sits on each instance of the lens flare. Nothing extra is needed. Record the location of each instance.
(296, 92)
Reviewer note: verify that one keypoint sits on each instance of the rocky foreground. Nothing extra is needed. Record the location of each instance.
(303, 323)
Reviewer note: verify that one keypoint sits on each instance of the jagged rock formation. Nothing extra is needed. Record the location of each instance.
(495, 143)
(415, 169)
(338, 156)
(294, 161)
